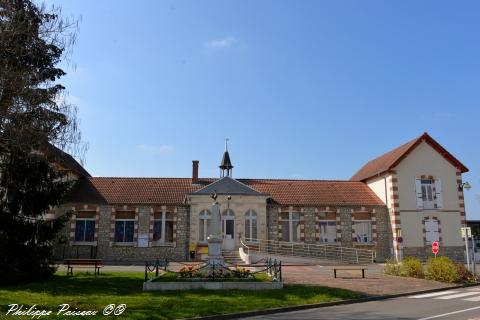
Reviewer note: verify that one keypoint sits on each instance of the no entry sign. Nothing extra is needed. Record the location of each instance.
(435, 247)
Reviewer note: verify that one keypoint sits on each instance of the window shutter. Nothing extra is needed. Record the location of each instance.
(431, 230)
(438, 193)
(418, 193)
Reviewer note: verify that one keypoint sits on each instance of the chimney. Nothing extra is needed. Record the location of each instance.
(194, 171)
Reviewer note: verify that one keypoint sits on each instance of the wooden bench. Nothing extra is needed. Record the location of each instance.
(349, 269)
(83, 263)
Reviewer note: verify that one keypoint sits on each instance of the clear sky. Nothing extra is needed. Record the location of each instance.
(304, 89)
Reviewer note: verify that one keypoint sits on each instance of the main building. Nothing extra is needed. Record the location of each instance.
(397, 205)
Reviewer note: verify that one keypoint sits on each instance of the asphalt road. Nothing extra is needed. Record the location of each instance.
(458, 304)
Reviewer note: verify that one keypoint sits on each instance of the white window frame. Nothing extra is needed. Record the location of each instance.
(326, 223)
(428, 195)
(251, 215)
(203, 218)
(163, 221)
(290, 221)
(369, 234)
(124, 228)
(85, 229)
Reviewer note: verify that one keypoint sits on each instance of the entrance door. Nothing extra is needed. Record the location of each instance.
(228, 230)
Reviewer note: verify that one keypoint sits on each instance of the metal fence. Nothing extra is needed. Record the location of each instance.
(318, 251)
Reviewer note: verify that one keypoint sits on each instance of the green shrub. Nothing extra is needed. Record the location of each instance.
(392, 268)
(464, 274)
(411, 267)
(441, 269)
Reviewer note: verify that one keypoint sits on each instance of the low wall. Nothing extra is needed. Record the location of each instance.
(210, 285)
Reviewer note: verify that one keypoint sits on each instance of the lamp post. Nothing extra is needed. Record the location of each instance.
(466, 231)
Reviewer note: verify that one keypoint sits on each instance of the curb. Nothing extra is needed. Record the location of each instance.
(326, 304)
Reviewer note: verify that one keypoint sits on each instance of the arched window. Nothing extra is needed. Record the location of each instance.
(250, 225)
(204, 225)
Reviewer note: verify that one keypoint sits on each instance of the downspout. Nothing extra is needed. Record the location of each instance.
(386, 195)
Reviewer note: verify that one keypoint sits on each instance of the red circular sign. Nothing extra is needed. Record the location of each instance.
(435, 247)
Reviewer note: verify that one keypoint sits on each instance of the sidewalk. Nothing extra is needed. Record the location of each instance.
(375, 283)
(306, 272)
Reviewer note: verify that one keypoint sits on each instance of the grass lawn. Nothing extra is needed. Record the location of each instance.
(87, 292)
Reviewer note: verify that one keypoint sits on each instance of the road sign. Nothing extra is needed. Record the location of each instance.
(435, 247)
(466, 232)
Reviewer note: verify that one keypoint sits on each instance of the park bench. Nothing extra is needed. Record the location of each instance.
(335, 270)
(83, 263)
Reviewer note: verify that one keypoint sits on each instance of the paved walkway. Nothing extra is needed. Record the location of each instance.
(375, 283)
(313, 272)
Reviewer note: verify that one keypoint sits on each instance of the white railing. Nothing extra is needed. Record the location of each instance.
(318, 251)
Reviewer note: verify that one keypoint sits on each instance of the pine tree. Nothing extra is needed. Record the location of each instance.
(33, 118)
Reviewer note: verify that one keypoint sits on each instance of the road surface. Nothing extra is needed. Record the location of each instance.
(458, 304)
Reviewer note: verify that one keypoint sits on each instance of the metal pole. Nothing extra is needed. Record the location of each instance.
(466, 250)
(473, 256)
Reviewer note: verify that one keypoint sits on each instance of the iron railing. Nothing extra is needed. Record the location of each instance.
(318, 251)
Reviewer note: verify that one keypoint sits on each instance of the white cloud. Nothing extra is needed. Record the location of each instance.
(161, 150)
(220, 43)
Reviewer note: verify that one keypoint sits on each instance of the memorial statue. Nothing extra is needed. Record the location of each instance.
(214, 239)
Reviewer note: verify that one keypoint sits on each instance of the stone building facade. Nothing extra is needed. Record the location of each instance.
(133, 220)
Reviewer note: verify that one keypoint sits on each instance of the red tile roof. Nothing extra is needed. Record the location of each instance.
(170, 191)
(316, 192)
(390, 159)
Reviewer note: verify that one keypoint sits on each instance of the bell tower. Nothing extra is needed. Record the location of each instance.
(226, 165)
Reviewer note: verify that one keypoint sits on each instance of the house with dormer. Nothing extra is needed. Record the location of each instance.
(395, 205)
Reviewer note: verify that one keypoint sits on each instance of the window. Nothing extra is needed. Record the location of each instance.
(328, 231)
(204, 225)
(85, 227)
(431, 230)
(250, 225)
(429, 193)
(124, 226)
(290, 226)
(363, 231)
(163, 227)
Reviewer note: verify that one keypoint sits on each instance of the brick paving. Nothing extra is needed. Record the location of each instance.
(375, 282)
(300, 272)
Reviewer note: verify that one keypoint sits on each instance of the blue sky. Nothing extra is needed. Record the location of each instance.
(304, 89)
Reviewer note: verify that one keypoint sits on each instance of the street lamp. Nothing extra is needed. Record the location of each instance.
(464, 185)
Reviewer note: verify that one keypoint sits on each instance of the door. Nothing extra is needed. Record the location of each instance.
(228, 230)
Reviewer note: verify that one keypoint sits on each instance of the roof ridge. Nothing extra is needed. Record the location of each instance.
(239, 179)
(391, 158)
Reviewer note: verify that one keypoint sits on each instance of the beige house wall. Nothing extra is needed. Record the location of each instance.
(379, 186)
(412, 226)
(424, 160)
(239, 205)
(382, 186)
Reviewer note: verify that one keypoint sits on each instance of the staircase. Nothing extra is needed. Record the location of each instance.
(232, 257)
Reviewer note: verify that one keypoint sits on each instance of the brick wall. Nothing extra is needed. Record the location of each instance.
(107, 250)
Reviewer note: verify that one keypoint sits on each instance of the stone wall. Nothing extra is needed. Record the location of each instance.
(104, 248)
(310, 225)
(311, 216)
(455, 253)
